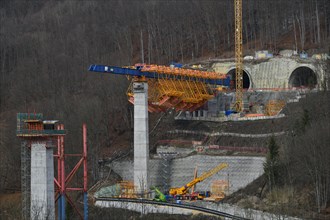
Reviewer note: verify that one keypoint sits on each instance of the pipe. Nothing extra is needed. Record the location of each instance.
(62, 192)
(85, 171)
(59, 203)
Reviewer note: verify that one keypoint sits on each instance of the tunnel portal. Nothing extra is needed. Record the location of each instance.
(246, 79)
(303, 77)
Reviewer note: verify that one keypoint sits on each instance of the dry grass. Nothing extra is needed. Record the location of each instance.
(10, 206)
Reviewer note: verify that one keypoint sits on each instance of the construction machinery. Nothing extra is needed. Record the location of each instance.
(127, 189)
(273, 107)
(194, 196)
(171, 86)
(160, 197)
(218, 190)
(184, 189)
(195, 176)
(238, 56)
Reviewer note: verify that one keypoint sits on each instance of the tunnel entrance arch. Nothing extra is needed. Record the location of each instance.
(303, 77)
(246, 79)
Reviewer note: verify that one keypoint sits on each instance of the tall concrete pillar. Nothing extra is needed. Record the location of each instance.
(141, 136)
(42, 181)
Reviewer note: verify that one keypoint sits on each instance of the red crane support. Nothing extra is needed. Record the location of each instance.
(62, 182)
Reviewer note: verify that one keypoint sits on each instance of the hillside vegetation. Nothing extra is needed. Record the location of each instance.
(297, 168)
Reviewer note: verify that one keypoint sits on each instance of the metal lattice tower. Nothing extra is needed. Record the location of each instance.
(238, 55)
(166, 168)
(25, 180)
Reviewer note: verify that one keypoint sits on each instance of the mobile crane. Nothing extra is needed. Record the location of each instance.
(184, 189)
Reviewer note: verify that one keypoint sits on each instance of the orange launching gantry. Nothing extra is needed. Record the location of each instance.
(170, 86)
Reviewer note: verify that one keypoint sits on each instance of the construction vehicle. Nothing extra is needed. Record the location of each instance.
(159, 197)
(182, 191)
(194, 196)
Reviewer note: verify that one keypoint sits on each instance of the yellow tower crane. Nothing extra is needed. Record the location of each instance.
(238, 56)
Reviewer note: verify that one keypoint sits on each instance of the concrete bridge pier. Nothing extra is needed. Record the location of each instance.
(141, 137)
(42, 181)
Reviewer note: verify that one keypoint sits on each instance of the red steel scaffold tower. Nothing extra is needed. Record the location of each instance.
(63, 182)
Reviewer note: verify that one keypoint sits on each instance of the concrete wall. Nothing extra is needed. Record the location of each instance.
(223, 207)
(241, 170)
(275, 72)
(144, 208)
(125, 170)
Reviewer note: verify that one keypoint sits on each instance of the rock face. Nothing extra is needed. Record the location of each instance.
(240, 172)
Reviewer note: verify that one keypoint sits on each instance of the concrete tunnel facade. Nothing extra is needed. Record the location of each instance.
(274, 73)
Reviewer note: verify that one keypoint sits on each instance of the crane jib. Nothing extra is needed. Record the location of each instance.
(154, 75)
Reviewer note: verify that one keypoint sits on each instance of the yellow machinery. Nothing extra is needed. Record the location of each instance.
(238, 55)
(127, 189)
(218, 190)
(184, 189)
(195, 176)
(177, 89)
(273, 107)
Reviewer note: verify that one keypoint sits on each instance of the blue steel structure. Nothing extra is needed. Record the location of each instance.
(61, 207)
(155, 75)
(85, 206)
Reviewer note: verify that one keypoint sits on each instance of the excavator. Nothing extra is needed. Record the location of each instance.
(160, 197)
(185, 189)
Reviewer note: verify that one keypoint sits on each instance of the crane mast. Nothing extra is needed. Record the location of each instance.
(238, 56)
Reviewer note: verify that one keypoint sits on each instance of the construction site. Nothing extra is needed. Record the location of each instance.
(182, 156)
(192, 158)
(184, 166)
(245, 89)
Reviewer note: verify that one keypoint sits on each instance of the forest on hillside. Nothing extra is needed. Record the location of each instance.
(47, 46)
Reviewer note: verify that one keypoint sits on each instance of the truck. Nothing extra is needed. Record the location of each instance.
(193, 196)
